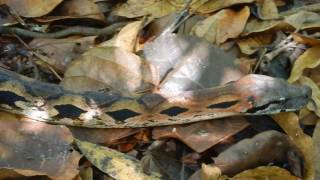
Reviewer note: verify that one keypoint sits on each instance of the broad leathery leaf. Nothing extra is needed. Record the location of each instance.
(189, 63)
(119, 69)
(81, 9)
(32, 8)
(303, 80)
(316, 143)
(61, 52)
(33, 148)
(117, 165)
(126, 38)
(202, 135)
(256, 25)
(265, 172)
(223, 25)
(266, 147)
(215, 5)
(289, 122)
(309, 59)
(138, 8)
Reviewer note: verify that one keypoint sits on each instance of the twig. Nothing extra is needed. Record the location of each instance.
(77, 30)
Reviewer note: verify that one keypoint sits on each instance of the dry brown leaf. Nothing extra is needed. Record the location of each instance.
(253, 43)
(215, 5)
(138, 8)
(35, 148)
(202, 135)
(32, 8)
(265, 172)
(289, 122)
(126, 38)
(309, 59)
(61, 52)
(81, 9)
(119, 69)
(82, 83)
(303, 39)
(269, 10)
(222, 26)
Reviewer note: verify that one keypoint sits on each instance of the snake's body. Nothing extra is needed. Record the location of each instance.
(253, 94)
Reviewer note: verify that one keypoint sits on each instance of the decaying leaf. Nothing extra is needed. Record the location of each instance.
(303, 80)
(265, 172)
(223, 25)
(266, 147)
(123, 70)
(202, 135)
(309, 59)
(32, 8)
(304, 20)
(35, 148)
(289, 122)
(268, 10)
(115, 164)
(316, 144)
(251, 44)
(212, 6)
(304, 39)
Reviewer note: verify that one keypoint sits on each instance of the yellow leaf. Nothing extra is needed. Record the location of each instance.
(309, 59)
(265, 172)
(117, 165)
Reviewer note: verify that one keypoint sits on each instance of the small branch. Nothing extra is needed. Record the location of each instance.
(77, 30)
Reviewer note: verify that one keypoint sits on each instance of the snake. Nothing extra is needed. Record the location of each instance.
(252, 94)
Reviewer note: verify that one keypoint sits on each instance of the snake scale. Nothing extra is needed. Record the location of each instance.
(250, 95)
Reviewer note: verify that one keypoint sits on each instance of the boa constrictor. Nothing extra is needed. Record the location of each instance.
(251, 95)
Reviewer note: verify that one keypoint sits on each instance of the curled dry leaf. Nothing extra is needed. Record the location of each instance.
(223, 25)
(115, 164)
(35, 148)
(202, 135)
(119, 69)
(309, 59)
(289, 122)
(32, 8)
(264, 148)
(81, 9)
(304, 39)
(255, 26)
(303, 80)
(137, 8)
(303, 20)
(265, 172)
(61, 52)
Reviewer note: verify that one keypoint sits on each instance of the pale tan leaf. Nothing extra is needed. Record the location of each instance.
(269, 10)
(209, 172)
(303, 20)
(32, 8)
(82, 83)
(255, 26)
(137, 8)
(289, 122)
(119, 69)
(126, 38)
(316, 143)
(223, 25)
(309, 59)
